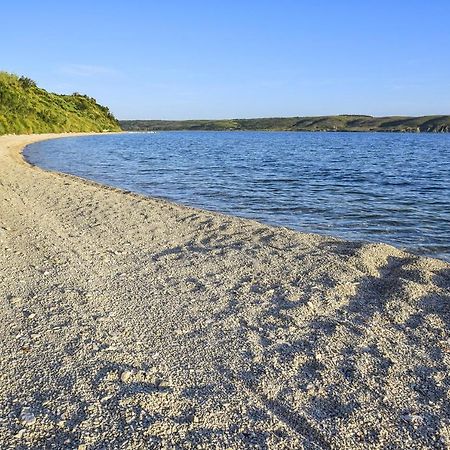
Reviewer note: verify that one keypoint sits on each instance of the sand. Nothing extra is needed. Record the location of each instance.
(130, 322)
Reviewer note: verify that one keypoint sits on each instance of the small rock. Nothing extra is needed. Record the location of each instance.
(15, 300)
(111, 348)
(126, 375)
(155, 380)
(27, 417)
(164, 384)
(105, 399)
(414, 419)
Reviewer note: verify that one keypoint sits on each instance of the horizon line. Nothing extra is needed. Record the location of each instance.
(295, 117)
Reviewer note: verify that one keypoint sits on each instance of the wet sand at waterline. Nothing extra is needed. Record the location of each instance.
(132, 322)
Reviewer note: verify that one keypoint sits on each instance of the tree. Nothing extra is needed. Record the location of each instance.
(27, 82)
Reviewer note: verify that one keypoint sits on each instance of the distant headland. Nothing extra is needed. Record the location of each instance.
(436, 124)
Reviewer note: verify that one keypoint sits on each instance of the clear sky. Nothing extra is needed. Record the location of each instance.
(234, 59)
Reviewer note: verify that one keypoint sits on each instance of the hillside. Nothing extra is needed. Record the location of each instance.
(26, 108)
(320, 123)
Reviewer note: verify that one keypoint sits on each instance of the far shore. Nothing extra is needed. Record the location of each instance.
(335, 123)
(134, 322)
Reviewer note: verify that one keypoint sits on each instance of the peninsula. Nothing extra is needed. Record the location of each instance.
(438, 124)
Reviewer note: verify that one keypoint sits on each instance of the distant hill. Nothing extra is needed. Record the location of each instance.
(26, 108)
(321, 123)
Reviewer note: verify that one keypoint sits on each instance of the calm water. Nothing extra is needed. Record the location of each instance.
(392, 188)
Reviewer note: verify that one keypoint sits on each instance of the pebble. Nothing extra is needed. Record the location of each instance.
(105, 399)
(16, 300)
(163, 384)
(415, 419)
(27, 417)
(126, 375)
(21, 433)
(111, 348)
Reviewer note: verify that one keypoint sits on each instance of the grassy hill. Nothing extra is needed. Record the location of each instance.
(26, 108)
(320, 123)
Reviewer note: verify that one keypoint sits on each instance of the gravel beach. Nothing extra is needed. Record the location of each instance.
(129, 322)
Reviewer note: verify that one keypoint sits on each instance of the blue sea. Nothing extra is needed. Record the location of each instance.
(382, 187)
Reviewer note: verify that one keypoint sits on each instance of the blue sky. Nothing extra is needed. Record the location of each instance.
(216, 59)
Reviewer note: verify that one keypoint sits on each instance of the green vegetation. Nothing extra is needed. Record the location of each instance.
(25, 108)
(321, 123)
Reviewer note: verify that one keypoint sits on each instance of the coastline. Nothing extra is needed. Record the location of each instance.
(128, 319)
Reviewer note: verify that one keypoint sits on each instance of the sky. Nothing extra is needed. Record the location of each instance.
(236, 59)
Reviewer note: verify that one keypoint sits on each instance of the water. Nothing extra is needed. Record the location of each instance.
(381, 187)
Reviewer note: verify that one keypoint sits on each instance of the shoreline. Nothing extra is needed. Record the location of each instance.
(428, 249)
(131, 320)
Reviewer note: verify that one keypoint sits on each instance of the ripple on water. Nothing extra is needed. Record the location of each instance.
(385, 187)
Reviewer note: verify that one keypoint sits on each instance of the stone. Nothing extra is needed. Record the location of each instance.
(27, 417)
(21, 433)
(126, 375)
(106, 398)
(163, 384)
(15, 300)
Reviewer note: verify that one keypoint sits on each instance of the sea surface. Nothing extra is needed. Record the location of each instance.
(381, 187)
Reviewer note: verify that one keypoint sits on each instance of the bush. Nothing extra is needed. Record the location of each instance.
(27, 82)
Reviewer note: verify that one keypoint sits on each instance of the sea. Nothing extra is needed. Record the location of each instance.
(377, 187)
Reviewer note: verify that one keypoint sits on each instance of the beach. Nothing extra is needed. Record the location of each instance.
(131, 322)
